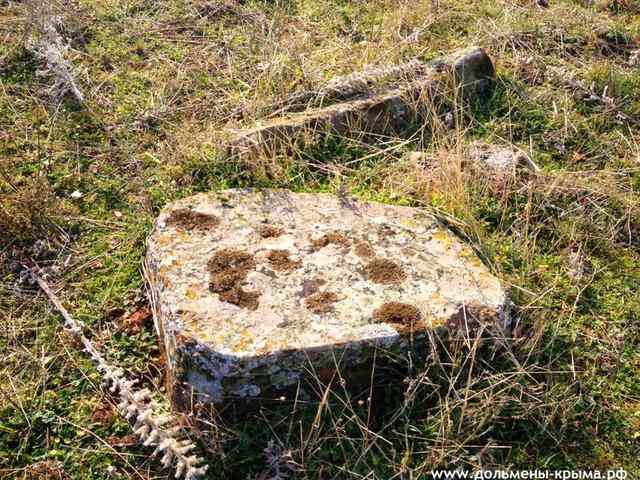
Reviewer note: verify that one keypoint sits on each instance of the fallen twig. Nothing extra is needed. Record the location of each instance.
(589, 94)
(161, 430)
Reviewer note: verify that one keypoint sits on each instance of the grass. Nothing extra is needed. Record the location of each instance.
(163, 80)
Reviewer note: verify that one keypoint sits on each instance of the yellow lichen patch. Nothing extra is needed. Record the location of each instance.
(409, 222)
(190, 319)
(269, 346)
(443, 237)
(163, 271)
(164, 240)
(469, 255)
(434, 322)
(191, 293)
(244, 341)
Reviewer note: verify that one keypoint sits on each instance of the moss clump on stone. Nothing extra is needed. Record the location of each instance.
(188, 219)
(469, 318)
(382, 270)
(321, 302)
(398, 313)
(363, 249)
(280, 261)
(269, 231)
(240, 297)
(227, 269)
(385, 231)
(311, 286)
(335, 238)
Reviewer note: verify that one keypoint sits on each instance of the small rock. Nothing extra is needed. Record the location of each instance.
(420, 158)
(76, 195)
(449, 121)
(500, 158)
(634, 59)
(46, 469)
(25, 278)
(113, 472)
(40, 249)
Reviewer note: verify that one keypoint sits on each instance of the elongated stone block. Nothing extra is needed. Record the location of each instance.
(253, 289)
(385, 112)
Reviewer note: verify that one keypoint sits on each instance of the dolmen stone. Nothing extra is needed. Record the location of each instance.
(254, 289)
(464, 74)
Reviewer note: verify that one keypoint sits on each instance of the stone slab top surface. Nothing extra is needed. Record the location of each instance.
(249, 273)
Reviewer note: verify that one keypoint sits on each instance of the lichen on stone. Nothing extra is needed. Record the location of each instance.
(311, 286)
(304, 294)
(470, 317)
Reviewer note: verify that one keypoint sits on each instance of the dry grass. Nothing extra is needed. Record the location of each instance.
(164, 82)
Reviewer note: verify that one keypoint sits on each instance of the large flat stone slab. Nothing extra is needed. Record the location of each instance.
(253, 288)
(383, 112)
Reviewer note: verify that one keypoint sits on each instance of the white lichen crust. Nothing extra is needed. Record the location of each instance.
(338, 262)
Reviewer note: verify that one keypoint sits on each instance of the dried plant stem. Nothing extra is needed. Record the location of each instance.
(159, 430)
(50, 47)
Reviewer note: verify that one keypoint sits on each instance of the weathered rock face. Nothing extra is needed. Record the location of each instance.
(253, 288)
(388, 111)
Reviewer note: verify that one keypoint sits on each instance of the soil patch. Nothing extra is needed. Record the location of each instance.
(135, 322)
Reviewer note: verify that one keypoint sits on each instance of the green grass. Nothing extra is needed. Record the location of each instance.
(165, 79)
